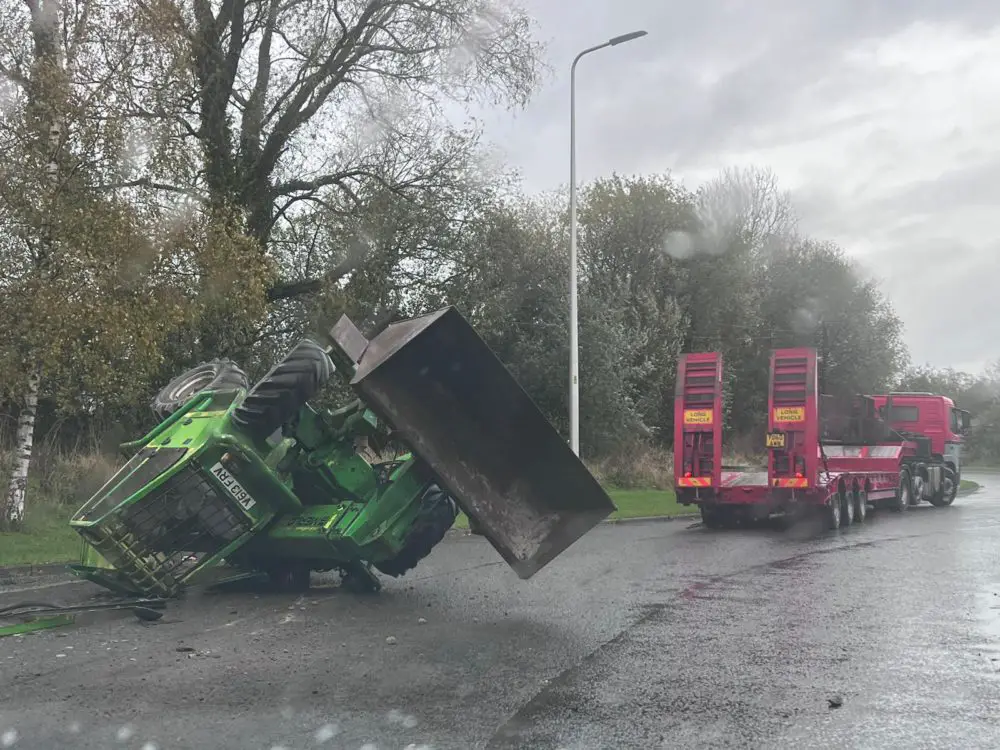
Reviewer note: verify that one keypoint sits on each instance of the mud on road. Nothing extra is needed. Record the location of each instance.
(641, 635)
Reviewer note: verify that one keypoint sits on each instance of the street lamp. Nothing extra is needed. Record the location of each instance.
(574, 362)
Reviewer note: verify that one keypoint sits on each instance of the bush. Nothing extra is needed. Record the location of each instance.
(640, 467)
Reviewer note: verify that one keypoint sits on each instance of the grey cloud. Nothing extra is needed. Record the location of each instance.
(641, 109)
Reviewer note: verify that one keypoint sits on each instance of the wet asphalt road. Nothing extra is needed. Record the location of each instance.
(642, 635)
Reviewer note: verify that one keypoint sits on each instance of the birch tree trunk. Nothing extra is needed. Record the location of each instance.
(45, 19)
(17, 491)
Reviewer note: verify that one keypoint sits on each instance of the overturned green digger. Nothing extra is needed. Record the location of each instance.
(255, 481)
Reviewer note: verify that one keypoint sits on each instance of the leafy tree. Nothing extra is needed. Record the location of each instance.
(296, 111)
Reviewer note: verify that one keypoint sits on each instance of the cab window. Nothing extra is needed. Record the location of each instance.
(905, 414)
(956, 421)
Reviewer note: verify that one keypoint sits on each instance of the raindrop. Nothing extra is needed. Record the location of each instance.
(8, 738)
(125, 733)
(74, 727)
(150, 746)
(679, 245)
(410, 722)
(327, 732)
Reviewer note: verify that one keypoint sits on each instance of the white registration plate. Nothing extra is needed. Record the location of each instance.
(233, 487)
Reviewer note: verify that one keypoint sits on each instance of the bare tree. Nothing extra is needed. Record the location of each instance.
(746, 205)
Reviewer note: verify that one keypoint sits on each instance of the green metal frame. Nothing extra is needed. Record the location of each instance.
(311, 500)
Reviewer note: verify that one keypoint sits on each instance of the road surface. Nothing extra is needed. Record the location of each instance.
(640, 636)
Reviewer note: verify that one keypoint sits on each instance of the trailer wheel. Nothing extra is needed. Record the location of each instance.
(860, 499)
(279, 395)
(846, 509)
(903, 492)
(711, 518)
(832, 512)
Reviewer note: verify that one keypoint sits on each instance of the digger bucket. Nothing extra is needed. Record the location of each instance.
(449, 398)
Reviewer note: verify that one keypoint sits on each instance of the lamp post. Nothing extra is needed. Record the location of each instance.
(574, 362)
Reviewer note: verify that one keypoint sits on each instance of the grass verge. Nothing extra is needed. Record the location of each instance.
(631, 504)
(49, 538)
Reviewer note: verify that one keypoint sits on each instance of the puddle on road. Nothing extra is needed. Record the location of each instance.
(988, 618)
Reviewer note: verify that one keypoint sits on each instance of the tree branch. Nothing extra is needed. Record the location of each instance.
(288, 290)
(148, 183)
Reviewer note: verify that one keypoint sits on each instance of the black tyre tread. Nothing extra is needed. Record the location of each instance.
(437, 514)
(228, 375)
(941, 500)
(711, 518)
(277, 397)
(899, 504)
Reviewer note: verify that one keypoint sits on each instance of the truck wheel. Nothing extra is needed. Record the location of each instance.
(860, 500)
(846, 509)
(949, 490)
(280, 394)
(903, 492)
(215, 375)
(832, 512)
(436, 515)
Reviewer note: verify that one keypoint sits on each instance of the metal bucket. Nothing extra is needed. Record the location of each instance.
(438, 384)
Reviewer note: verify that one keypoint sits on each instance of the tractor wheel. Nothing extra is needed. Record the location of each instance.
(846, 509)
(860, 499)
(946, 495)
(474, 527)
(280, 394)
(903, 492)
(436, 515)
(216, 375)
(289, 577)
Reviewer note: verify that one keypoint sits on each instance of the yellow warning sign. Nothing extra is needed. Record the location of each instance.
(697, 416)
(790, 414)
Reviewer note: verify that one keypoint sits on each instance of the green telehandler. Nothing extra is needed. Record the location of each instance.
(255, 480)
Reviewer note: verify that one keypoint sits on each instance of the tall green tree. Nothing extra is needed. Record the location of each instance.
(297, 111)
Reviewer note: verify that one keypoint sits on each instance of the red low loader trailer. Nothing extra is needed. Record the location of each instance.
(825, 454)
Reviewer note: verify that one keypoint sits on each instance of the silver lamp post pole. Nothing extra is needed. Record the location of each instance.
(574, 361)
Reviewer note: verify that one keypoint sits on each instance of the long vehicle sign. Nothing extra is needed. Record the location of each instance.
(790, 414)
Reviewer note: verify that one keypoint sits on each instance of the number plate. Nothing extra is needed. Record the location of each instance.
(233, 487)
(775, 440)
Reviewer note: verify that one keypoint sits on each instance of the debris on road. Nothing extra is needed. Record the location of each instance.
(835, 702)
(391, 640)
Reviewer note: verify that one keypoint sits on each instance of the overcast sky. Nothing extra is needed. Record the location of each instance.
(881, 116)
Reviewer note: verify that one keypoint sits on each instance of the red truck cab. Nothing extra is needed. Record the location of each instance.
(933, 416)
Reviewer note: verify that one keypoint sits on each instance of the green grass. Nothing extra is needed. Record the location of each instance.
(47, 538)
(967, 485)
(631, 504)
